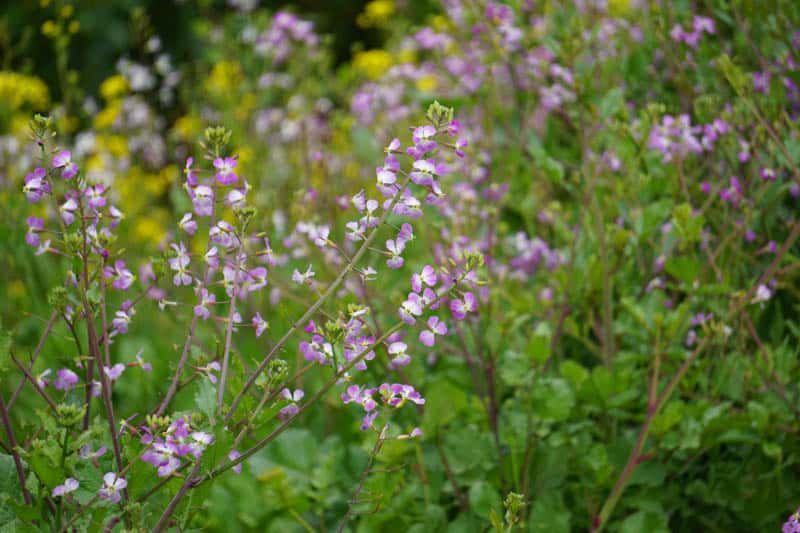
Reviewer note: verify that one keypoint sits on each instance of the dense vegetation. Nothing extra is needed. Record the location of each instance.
(525, 266)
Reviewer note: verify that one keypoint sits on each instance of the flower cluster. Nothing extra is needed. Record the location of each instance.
(166, 450)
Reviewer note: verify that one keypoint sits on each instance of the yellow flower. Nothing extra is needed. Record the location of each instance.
(372, 63)
(427, 83)
(49, 28)
(187, 127)
(113, 87)
(74, 26)
(67, 11)
(19, 90)
(225, 76)
(106, 117)
(376, 13)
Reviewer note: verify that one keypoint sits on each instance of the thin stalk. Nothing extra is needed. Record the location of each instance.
(48, 328)
(167, 514)
(13, 444)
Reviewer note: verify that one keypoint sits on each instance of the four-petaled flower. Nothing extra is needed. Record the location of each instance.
(225, 174)
(63, 160)
(65, 380)
(112, 485)
(435, 327)
(70, 484)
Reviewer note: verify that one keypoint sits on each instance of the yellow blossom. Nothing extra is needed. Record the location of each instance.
(19, 90)
(427, 83)
(224, 77)
(376, 13)
(187, 127)
(372, 63)
(106, 117)
(113, 87)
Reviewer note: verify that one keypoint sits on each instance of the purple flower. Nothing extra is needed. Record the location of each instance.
(209, 370)
(36, 185)
(259, 324)
(792, 524)
(423, 172)
(427, 276)
(68, 208)
(396, 394)
(395, 249)
(411, 308)
(361, 396)
(435, 327)
(207, 299)
(767, 174)
(225, 174)
(460, 308)
(368, 419)
(112, 484)
(66, 379)
(187, 224)
(293, 398)
(123, 278)
(115, 371)
(232, 456)
(144, 365)
(305, 277)
(94, 195)
(63, 160)
(423, 137)
(70, 485)
(397, 350)
(122, 318)
(179, 264)
(35, 226)
(203, 200)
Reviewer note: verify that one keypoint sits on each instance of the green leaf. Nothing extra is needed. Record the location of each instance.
(443, 403)
(574, 373)
(205, 399)
(552, 399)
(649, 521)
(549, 514)
(483, 498)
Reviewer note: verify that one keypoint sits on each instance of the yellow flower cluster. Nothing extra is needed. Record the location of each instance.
(224, 77)
(376, 14)
(20, 90)
(372, 63)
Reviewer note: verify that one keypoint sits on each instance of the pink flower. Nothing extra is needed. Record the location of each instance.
(259, 324)
(36, 185)
(112, 485)
(63, 160)
(435, 327)
(69, 485)
(427, 276)
(460, 308)
(225, 174)
(66, 379)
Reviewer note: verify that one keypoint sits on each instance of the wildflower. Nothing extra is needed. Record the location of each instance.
(767, 174)
(122, 318)
(209, 370)
(792, 524)
(63, 160)
(293, 398)
(203, 200)
(178, 264)
(460, 308)
(112, 484)
(423, 138)
(423, 172)
(123, 278)
(398, 352)
(41, 379)
(144, 365)
(66, 379)
(35, 226)
(396, 394)
(259, 324)
(427, 276)
(395, 248)
(187, 224)
(361, 396)
(225, 174)
(411, 308)
(70, 484)
(763, 293)
(435, 327)
(232, 456)
(207, 299)
(305, 277)
(94, 195)
(36, 185)
(113, 373)
(355, 231)
(68, 208)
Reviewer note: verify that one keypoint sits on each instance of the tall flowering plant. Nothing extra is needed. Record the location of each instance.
(93, 463)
